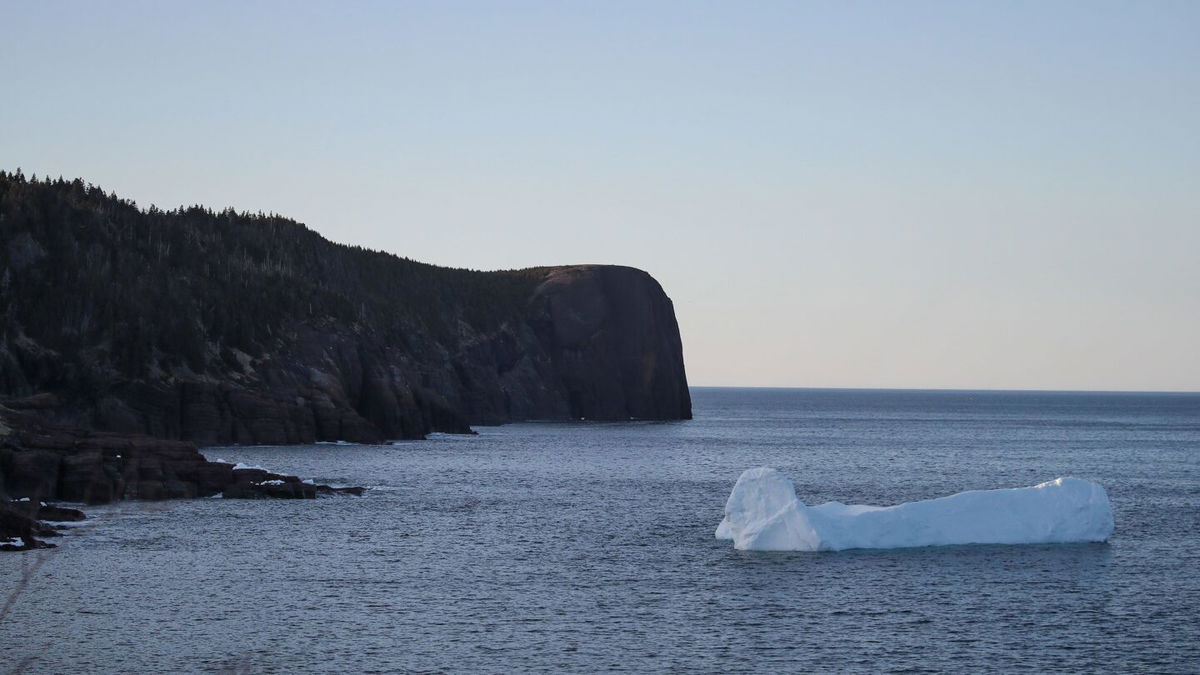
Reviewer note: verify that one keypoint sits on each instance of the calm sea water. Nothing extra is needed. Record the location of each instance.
(589, 547)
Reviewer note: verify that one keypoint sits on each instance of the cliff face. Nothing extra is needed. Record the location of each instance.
(232, 328)
(594, 342)
(613, 342)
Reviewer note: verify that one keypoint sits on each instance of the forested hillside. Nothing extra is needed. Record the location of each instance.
(221, 326)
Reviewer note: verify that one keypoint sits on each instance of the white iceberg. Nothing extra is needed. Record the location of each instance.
(763, 514)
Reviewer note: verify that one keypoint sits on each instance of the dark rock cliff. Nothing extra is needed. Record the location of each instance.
(613, 343)
(238, 328)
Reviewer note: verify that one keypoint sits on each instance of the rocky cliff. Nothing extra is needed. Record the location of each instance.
(224, 327)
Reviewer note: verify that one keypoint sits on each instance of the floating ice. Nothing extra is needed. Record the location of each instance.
(763, 514)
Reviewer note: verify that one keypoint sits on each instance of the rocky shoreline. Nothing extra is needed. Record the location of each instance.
(42, 463)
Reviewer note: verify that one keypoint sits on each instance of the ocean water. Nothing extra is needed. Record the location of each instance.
(589, 547)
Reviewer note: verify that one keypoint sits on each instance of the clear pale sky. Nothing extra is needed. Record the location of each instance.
(846, 194)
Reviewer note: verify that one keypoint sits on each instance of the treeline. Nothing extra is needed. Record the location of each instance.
(99, 280)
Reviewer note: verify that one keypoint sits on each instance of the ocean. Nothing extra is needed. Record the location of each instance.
(589, 547)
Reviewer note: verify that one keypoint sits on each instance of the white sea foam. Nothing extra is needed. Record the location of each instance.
(240, 466)
(763, 514)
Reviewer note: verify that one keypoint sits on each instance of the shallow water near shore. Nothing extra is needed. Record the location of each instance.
(586, 547)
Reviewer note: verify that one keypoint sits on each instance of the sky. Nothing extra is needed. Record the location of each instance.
(995, 195)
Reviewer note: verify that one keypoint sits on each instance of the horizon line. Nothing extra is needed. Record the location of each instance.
(952, 389)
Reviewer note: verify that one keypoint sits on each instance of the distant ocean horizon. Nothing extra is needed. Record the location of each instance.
(590, 547)
(949, 390)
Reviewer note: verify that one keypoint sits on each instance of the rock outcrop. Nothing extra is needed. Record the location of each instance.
(614, 343)
(229, 328)
(42, 462)
(20, 531)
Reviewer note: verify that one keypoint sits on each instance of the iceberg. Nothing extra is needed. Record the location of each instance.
(763, 514)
